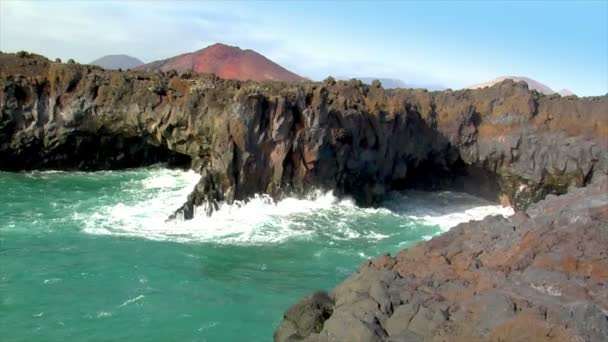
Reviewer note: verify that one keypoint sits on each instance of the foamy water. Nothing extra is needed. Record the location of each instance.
(103, 264)
(260, 220)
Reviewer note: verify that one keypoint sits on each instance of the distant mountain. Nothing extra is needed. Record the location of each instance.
(113, 62)
(392, 83)
(532, 84)
(226, 62)
(387, 83)
(566, 92)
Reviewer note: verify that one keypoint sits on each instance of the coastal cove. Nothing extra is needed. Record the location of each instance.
(88, 255)
(165, 205)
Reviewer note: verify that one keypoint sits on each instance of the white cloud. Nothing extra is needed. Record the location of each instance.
(88, 30)
(154, 30)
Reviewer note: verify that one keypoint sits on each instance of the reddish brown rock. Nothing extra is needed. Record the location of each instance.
(229, 62)
(538, 276)
(288, 138)
(542, 273)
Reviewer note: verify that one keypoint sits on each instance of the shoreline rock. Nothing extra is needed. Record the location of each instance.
(540, 275)
(281, 139)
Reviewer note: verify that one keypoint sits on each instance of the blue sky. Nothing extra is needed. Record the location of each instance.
(562, 44)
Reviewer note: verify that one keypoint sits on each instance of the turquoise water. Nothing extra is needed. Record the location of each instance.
(89, 257)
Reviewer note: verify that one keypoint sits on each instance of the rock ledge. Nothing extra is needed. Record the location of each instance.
(540, 275)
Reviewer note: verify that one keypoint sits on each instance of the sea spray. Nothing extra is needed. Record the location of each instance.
(261, 220)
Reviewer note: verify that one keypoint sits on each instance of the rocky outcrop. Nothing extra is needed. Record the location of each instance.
(279, 138)
(541, 275)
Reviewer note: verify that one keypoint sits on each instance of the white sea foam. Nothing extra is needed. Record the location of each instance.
(148, 202)
(131, 301)
(208, 326)
(52, 281)
(445, 209)
(450, 220)
(37, 173)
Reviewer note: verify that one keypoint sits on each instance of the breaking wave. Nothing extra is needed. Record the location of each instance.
(146, 203)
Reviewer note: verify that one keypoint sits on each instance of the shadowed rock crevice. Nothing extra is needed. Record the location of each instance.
(459, 176)
(91, 153)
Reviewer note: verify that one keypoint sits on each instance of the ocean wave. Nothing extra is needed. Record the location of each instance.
(148, 201)
(445, 209)
(256, 221)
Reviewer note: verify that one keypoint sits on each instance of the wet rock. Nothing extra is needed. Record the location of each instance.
(305, 317)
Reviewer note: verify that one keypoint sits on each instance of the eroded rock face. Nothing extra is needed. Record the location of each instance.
(541, 275)
(281, 138)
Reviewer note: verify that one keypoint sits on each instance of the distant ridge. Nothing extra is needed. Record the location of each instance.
(226, 62)
(532, 84)
(387, 83)
(566, 92)
(393, 83)
(113, 62)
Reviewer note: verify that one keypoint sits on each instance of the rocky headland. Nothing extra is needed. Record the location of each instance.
(504, 142)
(539, 275)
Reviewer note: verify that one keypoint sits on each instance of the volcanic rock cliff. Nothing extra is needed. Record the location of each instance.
(280, 138)
(541, 275)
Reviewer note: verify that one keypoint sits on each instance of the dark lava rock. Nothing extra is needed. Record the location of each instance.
(306, 317)
(541, 275)
(281, 139)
